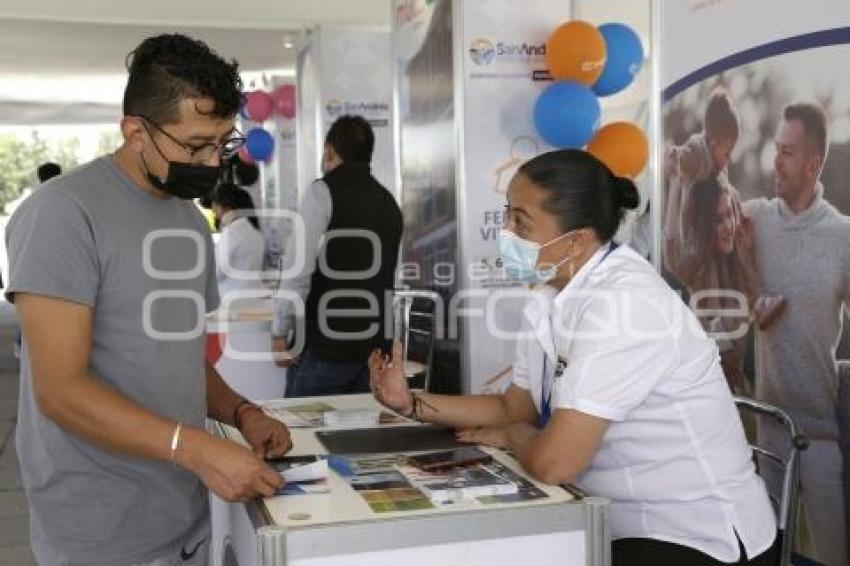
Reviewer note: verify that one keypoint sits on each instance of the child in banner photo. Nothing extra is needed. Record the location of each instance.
(708, 242)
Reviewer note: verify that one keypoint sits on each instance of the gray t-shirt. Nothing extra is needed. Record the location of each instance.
(806, 259)
(95, 238)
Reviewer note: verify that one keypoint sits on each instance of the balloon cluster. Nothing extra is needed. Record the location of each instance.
(258, 106)
(588, 62)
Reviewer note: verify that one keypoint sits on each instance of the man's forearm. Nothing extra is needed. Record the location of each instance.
(108, 419)
(221, 399)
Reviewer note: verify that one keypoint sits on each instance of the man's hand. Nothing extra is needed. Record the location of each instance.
(231, 471)
(281, 355)
(389, 384)
(268, 437)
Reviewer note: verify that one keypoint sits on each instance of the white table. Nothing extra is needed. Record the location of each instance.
(339, 528)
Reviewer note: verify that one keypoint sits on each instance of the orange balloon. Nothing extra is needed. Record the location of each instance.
(576, 51)
(621, 146)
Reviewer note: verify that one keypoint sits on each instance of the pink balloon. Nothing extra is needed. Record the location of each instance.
(284, 100)
(244, 155)
(258, 105)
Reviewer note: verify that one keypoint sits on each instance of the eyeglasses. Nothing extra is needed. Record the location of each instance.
(205, 151)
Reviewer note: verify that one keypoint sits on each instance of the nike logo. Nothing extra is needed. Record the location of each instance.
(188, 555)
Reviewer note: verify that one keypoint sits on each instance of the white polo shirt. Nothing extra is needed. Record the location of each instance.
(674, 460)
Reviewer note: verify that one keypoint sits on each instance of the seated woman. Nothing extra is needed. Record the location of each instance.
(240, 248)
(616, 386)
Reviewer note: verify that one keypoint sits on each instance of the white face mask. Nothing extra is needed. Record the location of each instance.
(520, 258)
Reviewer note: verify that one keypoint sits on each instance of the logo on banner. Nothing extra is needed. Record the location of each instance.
(515, 59)
(482, 52)
(334, 108)
(376, 113)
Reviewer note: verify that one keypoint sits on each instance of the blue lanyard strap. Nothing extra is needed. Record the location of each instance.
(546, 400)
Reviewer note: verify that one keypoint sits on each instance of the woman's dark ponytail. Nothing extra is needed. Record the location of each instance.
(629, 198)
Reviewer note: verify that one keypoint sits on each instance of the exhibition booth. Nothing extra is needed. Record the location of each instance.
(462, 93)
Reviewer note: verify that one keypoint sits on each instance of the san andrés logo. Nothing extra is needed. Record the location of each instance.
(483, 51)
(337, 107)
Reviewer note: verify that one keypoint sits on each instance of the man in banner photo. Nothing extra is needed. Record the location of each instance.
(802, 246)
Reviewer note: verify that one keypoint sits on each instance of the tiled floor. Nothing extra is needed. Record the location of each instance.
(14, 523)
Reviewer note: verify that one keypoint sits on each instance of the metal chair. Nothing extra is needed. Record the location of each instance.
(787, 503)
(414, 318)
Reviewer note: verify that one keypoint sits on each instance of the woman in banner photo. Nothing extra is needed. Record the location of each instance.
(708, 242)
(716, 257)
(616, 386)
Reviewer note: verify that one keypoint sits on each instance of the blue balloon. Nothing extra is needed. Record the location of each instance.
(566, 114)
(260, 144)
(625, 57)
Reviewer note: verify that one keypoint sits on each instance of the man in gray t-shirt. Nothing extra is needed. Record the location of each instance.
(111, 273)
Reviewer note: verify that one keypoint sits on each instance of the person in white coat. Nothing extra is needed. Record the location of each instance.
(616, 386)
(240, 247)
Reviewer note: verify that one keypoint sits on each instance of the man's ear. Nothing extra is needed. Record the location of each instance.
(134, 133)
(813, 165)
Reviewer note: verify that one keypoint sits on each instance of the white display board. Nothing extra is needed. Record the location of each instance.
(344, 71)
(502, 70)
(742, 24)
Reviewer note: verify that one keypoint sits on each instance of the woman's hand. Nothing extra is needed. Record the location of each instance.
(495, 436)
(389, 384)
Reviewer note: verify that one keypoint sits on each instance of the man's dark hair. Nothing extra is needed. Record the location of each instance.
(352, 139)
(47, 171)
(813, 118)
(168, 68)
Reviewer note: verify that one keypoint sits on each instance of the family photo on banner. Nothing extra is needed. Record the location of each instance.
(756, 234)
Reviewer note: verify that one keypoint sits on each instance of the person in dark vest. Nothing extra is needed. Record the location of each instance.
(348, 256)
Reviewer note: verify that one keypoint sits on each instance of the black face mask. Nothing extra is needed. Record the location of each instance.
(217, 224)
(186, 181)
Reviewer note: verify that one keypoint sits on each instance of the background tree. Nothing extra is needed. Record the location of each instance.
(20, 157)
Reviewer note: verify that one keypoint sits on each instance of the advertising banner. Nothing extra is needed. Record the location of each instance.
(756, 227)
(345, 71)
(503, 70)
